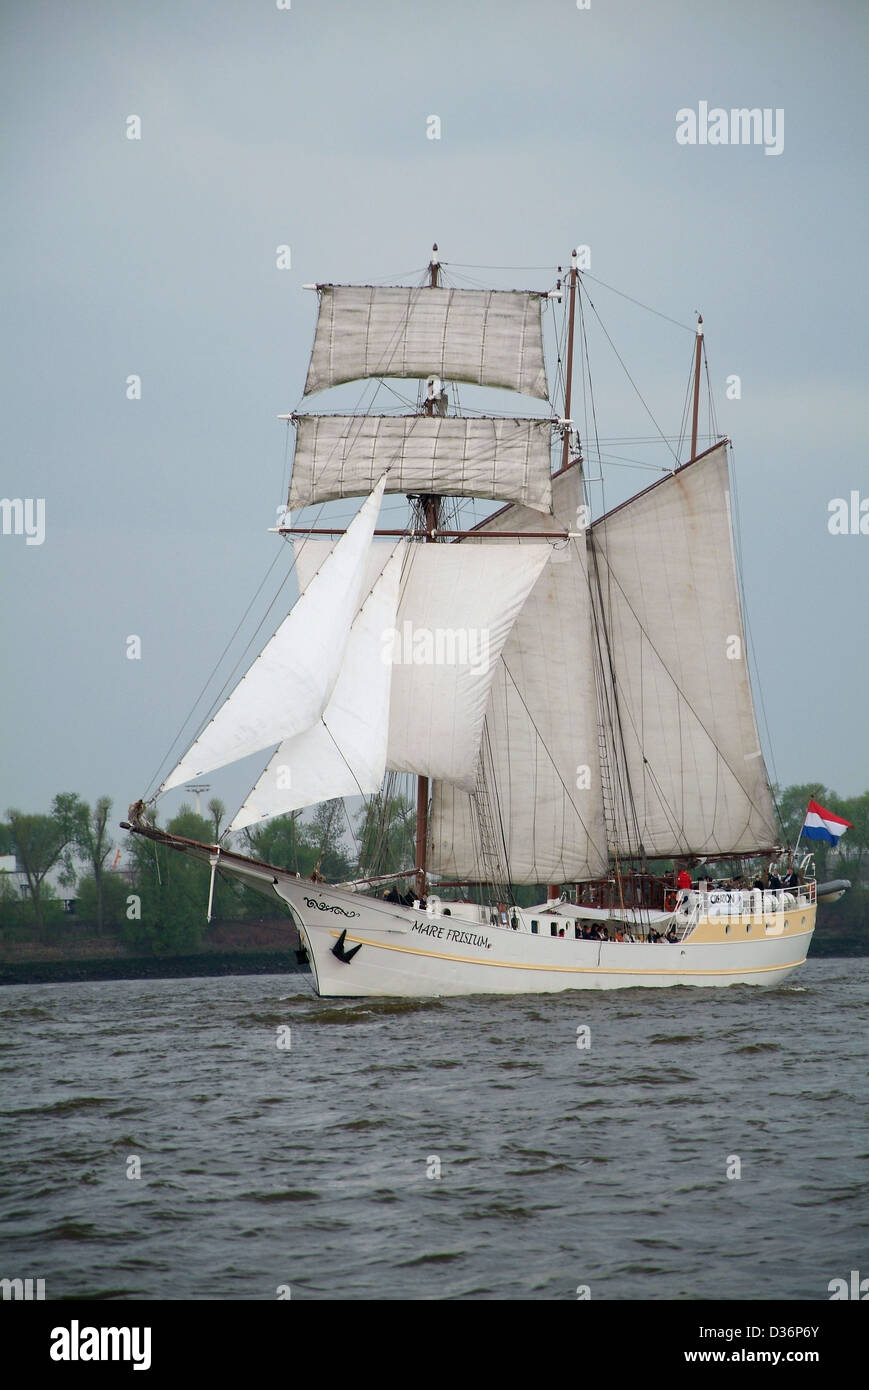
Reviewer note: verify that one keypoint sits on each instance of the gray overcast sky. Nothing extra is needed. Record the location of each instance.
(307, 126)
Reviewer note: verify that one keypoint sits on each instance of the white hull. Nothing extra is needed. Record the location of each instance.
(407, 952)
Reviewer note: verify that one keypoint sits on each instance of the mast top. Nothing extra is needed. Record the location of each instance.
(697, 360)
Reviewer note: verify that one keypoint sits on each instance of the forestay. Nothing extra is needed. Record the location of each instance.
(489, 337)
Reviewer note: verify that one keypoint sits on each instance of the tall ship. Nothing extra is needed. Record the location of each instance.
(570, 692)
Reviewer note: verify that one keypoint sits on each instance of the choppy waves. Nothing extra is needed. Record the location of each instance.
(705, 1145)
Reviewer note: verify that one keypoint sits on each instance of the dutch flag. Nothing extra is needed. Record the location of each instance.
(823, 825)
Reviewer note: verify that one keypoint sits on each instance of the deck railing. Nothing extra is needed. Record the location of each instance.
(743, 904)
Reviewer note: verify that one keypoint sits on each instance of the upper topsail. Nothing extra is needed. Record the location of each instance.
(282, 695)
(488, 337)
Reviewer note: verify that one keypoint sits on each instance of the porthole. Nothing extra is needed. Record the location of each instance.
(803, 922)
(748, 929)
(787, 924)
(727, 929)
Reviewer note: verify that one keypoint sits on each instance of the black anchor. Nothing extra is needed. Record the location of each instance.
(338, 949)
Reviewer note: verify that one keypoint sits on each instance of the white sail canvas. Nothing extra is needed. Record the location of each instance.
(670, 603)
(343, 455)
(456, 607)
(541, 725)
(490, 337)
(282, 695)
(344, 753)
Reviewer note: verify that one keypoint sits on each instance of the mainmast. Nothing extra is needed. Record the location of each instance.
(430, 507)
(565, 447)
(697, 356)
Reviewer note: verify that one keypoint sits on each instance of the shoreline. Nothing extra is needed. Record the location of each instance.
(187, 967)
(58, 972)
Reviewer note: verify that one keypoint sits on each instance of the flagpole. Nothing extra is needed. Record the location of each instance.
(800, 836)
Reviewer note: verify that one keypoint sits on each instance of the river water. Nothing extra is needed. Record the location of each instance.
(705, 1144)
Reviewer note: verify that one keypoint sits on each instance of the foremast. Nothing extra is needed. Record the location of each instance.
(346, 715)
(430, 507)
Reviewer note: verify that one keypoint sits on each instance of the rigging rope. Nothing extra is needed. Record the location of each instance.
(687, 326)
(623, 365)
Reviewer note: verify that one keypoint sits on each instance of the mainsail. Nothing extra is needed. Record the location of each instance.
(489, 337)
(541, 723)
(675, 687)
(669, 745)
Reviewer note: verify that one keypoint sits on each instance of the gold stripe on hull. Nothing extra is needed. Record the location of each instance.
(567, 969)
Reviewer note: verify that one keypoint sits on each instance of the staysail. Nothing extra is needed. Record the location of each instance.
(456, 607)
(541, 723)
(489, 337)
(675, 673)
(343, 455)
(344, 753)
(281, 696)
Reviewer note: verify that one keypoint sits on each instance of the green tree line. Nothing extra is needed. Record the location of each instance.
(156, 898)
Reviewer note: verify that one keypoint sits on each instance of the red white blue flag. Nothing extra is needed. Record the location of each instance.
(824, 825)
